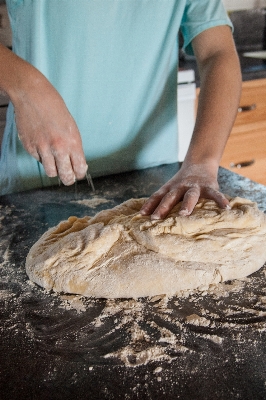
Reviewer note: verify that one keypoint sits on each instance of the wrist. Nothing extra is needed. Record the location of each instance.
(202, 156)
(209, 164)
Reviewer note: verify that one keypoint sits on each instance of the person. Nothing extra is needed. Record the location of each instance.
(95, 82)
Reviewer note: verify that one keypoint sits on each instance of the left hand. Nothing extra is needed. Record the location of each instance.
(188, 184)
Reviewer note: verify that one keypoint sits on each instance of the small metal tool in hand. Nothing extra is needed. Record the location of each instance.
(89, 180)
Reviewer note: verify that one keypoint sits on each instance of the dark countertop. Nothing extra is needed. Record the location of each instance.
(56, 346)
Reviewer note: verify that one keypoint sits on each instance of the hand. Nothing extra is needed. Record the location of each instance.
(47, 130)
(190, 183)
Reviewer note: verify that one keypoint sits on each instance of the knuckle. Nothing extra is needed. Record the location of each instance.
(58, 151)
(67, 179)
(163, 206)
(156, 196)
(192, 192)
(171, 194)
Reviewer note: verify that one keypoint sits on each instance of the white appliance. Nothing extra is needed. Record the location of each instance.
(186, 97)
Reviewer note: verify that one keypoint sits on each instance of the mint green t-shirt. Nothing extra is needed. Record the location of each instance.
(115, 63)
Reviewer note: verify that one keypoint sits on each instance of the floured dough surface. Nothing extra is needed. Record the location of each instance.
(118, 253)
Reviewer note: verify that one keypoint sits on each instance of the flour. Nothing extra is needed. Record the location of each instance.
(92, 203)
(155, 330)
(197, 320)
(73, 303)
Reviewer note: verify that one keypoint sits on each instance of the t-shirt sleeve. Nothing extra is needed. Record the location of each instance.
(200, 15)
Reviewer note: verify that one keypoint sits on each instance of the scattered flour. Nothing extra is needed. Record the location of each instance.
(197, 320)
(157, 329)
(70, 302)
(92, 203)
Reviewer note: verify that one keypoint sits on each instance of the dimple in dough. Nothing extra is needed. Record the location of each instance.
(119, 254)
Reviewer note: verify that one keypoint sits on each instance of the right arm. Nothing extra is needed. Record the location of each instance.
(45, 127)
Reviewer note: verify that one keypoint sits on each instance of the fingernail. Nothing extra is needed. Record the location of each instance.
(155, 217)
(228, 207)
(143, 212)
(184, 212)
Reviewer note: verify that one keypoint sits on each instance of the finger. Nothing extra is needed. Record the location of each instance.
(167, 203)
(48, 163)
(218, 197)
(150, 205)
(65, 170)
(190, 199)
(79, 165)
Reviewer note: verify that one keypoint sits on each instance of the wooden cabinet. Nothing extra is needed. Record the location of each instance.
(245, 152)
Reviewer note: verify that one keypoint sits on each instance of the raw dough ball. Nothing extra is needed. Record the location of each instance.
(119, 253)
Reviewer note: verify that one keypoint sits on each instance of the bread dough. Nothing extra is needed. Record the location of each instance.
(118, 253)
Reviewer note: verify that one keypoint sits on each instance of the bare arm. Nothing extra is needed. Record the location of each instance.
(219, 99)
(45, 127)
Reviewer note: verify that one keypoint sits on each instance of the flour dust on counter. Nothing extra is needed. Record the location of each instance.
(93, 202)
(119, 253)
(135, 332)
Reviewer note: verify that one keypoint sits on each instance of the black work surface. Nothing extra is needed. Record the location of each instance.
(56, 346)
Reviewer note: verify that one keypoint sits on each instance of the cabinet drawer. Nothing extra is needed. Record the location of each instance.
(252, 107)
(245, 154)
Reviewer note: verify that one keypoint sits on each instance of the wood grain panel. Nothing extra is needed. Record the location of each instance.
(247, 140)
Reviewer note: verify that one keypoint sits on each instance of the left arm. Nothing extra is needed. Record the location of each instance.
(218, 103)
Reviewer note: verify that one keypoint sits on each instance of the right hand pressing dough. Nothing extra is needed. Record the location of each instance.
(119, 253)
